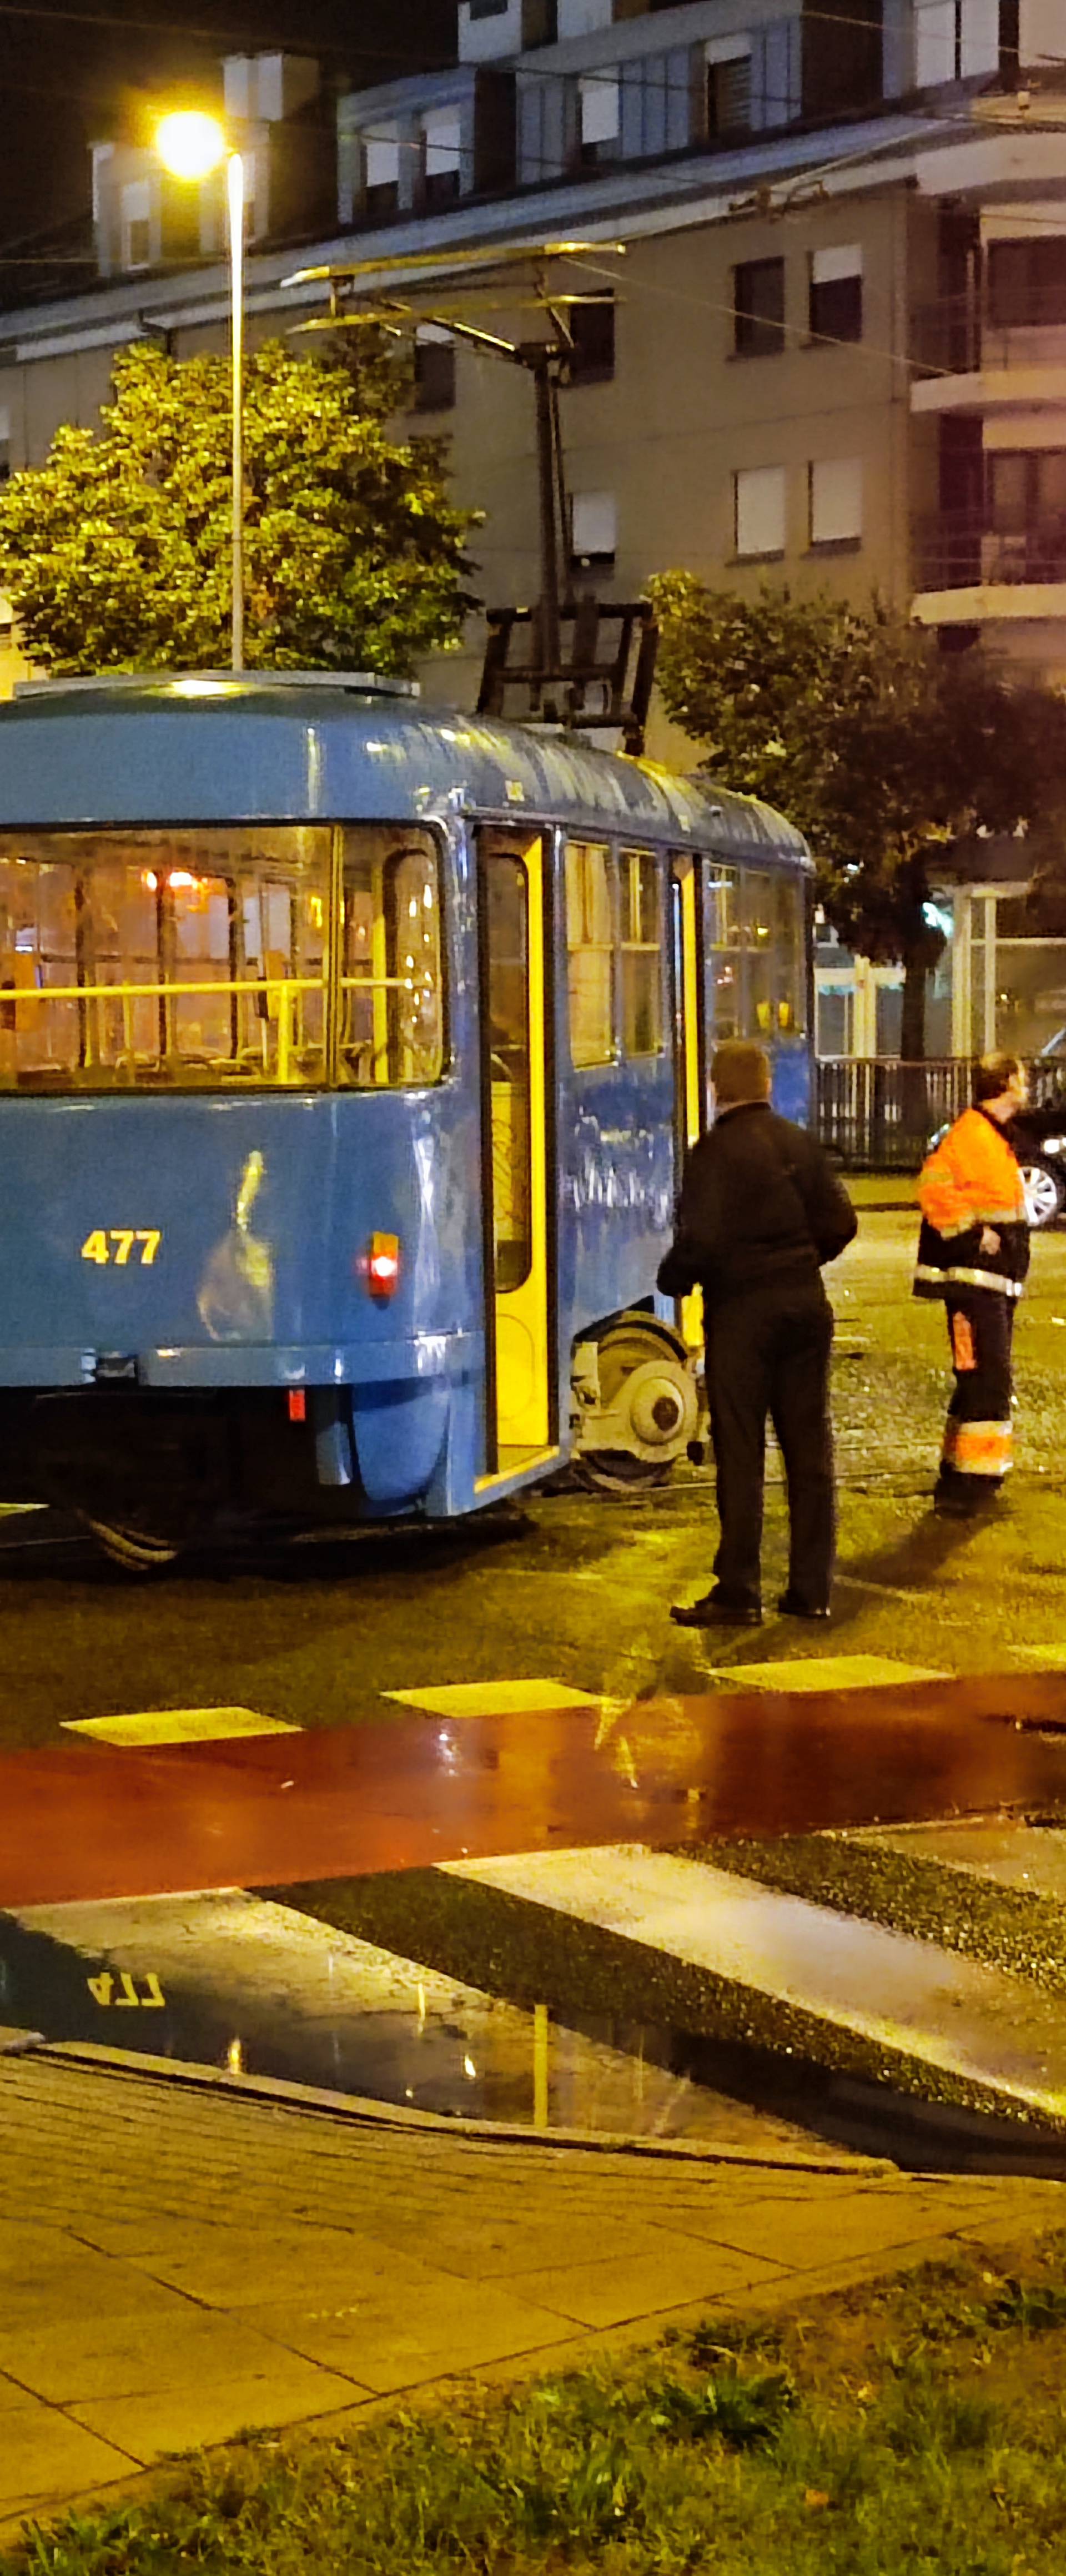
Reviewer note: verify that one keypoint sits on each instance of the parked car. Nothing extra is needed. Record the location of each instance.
(1039, 1140)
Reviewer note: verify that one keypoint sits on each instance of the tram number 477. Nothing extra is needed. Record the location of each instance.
(117, 1243)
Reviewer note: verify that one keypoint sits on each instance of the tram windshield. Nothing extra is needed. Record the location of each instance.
(205, 956)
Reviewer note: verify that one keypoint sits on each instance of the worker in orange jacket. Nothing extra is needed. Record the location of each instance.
(973, 1252)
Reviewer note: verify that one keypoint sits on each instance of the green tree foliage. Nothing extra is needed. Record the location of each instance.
(880, 747)
(116, 551)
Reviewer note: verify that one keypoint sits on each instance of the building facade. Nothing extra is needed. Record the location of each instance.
(833, 353)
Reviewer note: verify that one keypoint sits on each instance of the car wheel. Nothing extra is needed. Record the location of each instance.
(1044, 1193)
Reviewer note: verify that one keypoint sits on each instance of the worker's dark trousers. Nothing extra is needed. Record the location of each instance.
(768, 1354)
(978, 1432)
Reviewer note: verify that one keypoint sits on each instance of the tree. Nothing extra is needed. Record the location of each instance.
(879, 746)
(116, 551)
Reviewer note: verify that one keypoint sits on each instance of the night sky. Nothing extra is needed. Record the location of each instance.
(82, 71)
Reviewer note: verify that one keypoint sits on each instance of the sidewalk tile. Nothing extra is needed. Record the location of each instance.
(616, 2293)
(237, 2268)
(78, 2288)
(493, 2245)
(801, 2238)
(181, 2419)
(45, 2458)
(391, 2341)
(85, 2358)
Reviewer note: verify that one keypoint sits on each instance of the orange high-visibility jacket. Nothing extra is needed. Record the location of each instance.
(969, 1181)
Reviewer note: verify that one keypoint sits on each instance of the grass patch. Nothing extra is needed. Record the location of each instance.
(915, 2428)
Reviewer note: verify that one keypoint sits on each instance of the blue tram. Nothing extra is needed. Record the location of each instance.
(347, 1053)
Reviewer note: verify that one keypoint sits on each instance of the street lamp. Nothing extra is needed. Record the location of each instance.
(190, 145)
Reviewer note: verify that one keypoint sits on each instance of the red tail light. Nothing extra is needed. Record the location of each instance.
(297, 1404)
(382, 1264)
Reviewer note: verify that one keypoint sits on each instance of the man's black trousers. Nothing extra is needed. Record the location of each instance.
(768, 1355)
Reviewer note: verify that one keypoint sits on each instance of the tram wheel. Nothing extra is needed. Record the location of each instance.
(133, 1549)
(644, 1372)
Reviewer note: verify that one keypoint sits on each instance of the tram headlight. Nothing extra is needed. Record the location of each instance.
(380, 1265)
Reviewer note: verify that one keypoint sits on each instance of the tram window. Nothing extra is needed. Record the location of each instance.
(642, 953)
(590, 945)
(163, 958)
(773, 924)
(391, 1014)
(725, 949)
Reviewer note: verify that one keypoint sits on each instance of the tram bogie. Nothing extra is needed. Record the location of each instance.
(347, 1057)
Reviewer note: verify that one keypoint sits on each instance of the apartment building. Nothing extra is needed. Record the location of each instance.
(833, 352)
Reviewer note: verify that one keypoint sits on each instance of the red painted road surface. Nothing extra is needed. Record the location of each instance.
(91, 1820)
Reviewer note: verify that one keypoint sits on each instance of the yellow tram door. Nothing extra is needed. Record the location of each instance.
(517, 1163)
(689, 1048)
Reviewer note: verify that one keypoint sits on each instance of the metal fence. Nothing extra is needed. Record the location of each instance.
(878, 1113)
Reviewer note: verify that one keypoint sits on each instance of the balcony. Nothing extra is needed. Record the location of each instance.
(967, 573)
(971, 354)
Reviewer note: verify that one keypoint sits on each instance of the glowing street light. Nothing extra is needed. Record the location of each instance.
(191, 145)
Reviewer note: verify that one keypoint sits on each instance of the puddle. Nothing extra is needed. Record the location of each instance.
(233, 1981)
(238, 1982)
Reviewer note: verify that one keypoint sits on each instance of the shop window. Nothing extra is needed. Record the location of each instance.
(758, 308)
(590, 951)
(642, 953)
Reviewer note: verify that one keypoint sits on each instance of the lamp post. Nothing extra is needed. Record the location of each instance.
(191, 145)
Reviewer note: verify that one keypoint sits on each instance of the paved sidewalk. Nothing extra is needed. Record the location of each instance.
(184, 2257)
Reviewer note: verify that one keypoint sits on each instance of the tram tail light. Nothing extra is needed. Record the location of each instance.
(297, 1404)
(382, 1264)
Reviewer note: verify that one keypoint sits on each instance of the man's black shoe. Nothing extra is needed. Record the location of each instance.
(793, 1608)
(716, 1610)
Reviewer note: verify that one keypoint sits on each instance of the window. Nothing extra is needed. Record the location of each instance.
(836, 294)
(642, 953)
(441, 135)
(5, 443)
(590, 951)
(155, 959)
(1026, 516)
(136, 204)
(487, 8)
(724, 937)
(759, 510)
(593, 531)
(728, 60)
(1027, 282)
(381, 167)
(591, 328)
(759, 307)
(434, 369)
(391, 999)
(507, 958)
(835, 485)
(199, 958)
(598, 115)
(773, 926)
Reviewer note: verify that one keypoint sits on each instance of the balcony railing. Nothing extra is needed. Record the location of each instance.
(958, 551)
(960, 335)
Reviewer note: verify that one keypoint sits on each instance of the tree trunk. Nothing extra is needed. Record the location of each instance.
(914, 1104)
(912, 1026)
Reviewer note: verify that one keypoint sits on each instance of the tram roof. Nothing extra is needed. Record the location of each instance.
(202, 747)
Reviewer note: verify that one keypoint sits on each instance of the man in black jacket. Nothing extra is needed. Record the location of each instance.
(760, 1210)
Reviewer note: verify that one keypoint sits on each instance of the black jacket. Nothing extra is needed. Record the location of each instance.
(760, 1207)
